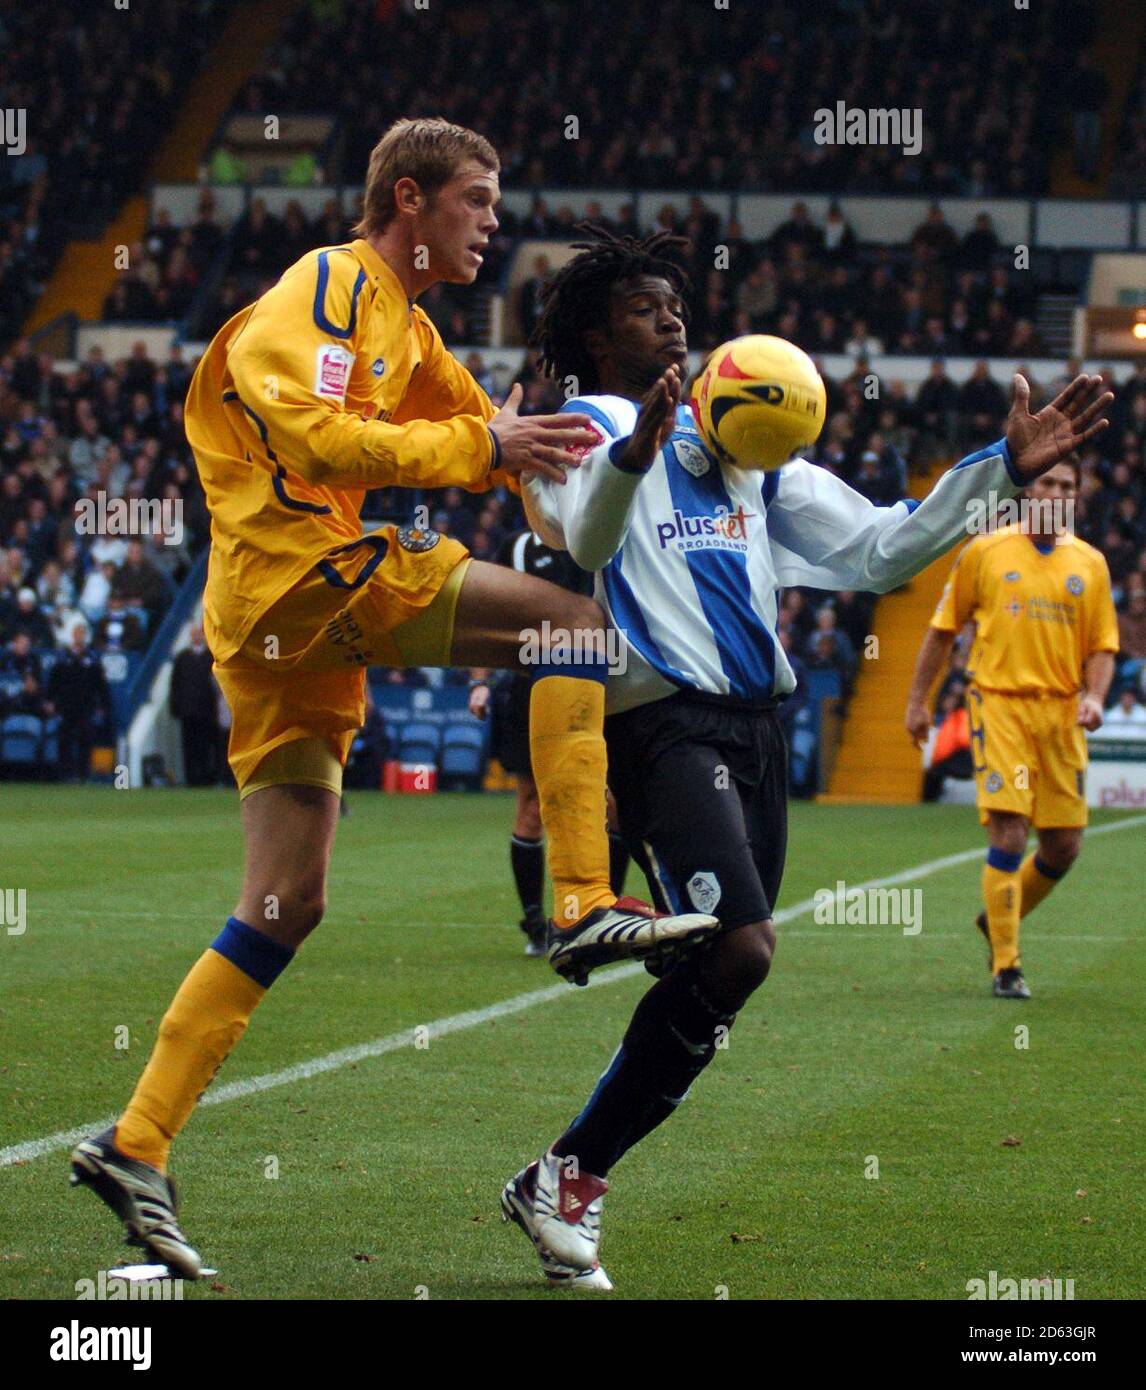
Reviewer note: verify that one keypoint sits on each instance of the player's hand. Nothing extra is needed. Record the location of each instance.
(1074, 417)
(1089, 712)
(655, 421)
(918, 722)
(540, 443)
(479, 701)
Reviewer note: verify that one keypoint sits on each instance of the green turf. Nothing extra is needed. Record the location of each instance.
(863, 1042)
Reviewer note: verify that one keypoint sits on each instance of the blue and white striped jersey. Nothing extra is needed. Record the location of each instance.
(690, 557)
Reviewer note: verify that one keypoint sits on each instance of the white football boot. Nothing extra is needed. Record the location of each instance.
(568, 1242)
(141, 1196)
(628, 930)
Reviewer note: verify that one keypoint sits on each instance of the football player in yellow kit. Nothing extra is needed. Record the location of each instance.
(1040, 667)
(333, 382)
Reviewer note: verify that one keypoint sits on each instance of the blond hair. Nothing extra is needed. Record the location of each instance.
(427, 150)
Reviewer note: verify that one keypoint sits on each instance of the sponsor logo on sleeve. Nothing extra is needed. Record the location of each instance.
(598, 438)
(332, 371)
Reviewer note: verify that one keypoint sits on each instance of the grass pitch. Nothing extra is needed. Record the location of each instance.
(866, 1049)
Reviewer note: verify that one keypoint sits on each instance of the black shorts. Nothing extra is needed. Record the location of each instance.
(701, 783)
(509, 736)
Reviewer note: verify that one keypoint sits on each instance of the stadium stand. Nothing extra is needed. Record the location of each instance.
(100, 109)
(83, 608)
(738, 119)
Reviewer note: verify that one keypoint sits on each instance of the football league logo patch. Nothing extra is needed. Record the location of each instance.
(332, 371)
(704, 890)
(1011, 576)
(1075, 585)
(580, 450)
(994, 782)
(691, 457)
(415, 539)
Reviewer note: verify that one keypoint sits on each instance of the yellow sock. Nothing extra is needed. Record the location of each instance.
(1001, 899)
(567, 748)
(1036, 880)
(207, 1017)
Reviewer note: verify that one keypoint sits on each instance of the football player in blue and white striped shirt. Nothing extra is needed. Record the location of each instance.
(689, 559)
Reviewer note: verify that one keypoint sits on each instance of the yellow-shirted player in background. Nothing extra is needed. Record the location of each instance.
(1040, 667)
(333, 382)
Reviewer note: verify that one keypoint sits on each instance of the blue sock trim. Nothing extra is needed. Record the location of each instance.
(579, 671)
(253, 952)
(1047, 872)
(1000, 859)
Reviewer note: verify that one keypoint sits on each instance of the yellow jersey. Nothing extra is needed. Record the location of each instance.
(1039, 615)
(331, 383)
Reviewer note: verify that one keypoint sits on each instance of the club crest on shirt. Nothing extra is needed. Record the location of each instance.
(378, 366)
(1074, 584)
(704, 890)
(415, 539)
(994, 782)
(691, 457)
(332, 371)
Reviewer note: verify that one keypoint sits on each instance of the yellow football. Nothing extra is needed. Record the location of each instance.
(758, 402)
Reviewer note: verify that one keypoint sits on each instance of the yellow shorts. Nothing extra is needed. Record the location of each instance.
(1029, 755)
(296, 687)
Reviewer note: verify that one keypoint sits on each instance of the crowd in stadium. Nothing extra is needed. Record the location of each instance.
(114, 429)
(739, 119)
(99, 112)
(678, 101)
(809, 281)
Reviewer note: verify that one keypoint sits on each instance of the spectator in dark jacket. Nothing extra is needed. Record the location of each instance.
(78, 690)
(140, 584)
(29, 618)
(18, 658)
(194, 703)
(118, 630)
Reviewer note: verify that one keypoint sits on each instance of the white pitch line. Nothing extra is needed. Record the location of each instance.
(456, 1023)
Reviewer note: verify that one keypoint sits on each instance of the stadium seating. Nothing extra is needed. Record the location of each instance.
(20, 741)
(419, 743)
(463, 757)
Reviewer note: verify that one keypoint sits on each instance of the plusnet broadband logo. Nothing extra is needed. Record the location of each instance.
(726, 530)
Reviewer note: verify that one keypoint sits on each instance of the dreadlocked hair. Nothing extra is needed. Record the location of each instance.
(576, 298)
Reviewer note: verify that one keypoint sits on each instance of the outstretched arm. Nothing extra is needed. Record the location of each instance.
(825, 534)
